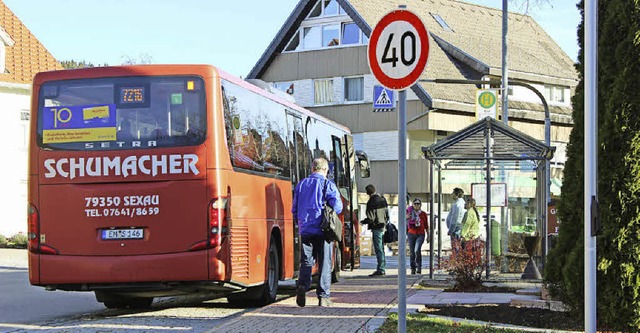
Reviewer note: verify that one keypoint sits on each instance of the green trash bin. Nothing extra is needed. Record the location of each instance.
(495, 238)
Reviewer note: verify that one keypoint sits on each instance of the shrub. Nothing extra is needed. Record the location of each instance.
(466, 264)
(3, 241)
(19, 240)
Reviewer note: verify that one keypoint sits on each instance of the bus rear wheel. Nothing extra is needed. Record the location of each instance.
(265, 293)
(269, 289)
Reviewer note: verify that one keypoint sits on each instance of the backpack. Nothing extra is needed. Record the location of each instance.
(390, 233)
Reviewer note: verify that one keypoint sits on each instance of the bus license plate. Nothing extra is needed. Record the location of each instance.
(123, 234)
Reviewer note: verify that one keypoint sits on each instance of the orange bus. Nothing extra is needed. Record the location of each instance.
(160, 180)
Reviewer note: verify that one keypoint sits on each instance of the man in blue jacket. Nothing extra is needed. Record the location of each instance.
(307, 210)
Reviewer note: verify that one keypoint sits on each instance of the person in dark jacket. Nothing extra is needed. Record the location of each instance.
(308, 201)
(377, 218)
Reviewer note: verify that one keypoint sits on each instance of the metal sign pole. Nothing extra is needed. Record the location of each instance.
(402, 205)
(402, 33)
(590, 159)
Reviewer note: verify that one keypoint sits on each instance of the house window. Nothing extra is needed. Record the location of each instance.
(354, 89)
(316, 11)
(350, 33)
(312, 37)
(325, 36)
(323, 91)
(330, 35)
(294, 44)
(316, 37)
(442, 22)
(441, 135)
(325, 28)
(554, 93)
(331, 7)
(325, 8)
(287, 87)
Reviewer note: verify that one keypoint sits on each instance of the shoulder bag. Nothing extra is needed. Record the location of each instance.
(331, 224)
(390, 233)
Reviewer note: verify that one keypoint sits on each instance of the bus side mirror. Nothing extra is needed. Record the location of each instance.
(363, 163)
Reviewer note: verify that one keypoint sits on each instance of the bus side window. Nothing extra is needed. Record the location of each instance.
(337, 162)
(227, 119)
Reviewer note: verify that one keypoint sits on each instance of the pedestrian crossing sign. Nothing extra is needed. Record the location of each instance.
(383, 99)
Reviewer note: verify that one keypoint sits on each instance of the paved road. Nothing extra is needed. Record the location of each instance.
(24, 308)
(22, 303)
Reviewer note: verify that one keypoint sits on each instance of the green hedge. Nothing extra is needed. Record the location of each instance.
(618, 246)
(17, 241)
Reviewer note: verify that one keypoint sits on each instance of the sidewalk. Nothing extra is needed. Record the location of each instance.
(13, 258)
(360, 304)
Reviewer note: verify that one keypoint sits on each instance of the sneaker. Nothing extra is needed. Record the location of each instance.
(301, 298)
(413, 271)
(324, 301)
(419, 271)
(377, 273)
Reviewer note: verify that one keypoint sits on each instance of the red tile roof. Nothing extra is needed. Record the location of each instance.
(27, 56)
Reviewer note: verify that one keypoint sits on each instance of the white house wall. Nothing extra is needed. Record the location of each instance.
(13, 172)
(381, 146)
(524, 94)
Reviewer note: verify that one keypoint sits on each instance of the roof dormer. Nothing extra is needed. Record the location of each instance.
(6, 42)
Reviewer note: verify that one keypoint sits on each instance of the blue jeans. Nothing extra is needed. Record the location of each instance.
(378, 247)
(316, 249)
(415, 246)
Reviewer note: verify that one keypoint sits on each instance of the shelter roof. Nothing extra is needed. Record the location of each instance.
(467, 147)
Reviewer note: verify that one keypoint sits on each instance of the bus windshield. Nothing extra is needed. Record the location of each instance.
(121, 113)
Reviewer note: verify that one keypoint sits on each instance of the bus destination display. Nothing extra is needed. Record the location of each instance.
(132, 96)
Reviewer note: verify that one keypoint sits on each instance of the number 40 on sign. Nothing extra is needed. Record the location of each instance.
(398, 49)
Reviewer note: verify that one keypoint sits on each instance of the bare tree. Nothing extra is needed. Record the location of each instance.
(526, 5)
(142, 59)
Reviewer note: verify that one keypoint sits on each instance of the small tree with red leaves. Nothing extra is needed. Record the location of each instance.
(466, 264)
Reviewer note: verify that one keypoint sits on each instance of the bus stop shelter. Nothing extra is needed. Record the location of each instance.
(491, 146)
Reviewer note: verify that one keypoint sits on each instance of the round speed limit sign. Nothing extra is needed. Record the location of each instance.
(398, 49)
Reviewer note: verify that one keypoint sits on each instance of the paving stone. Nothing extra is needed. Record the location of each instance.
(362, 304)
(530, 303)
(533, 291)
(558, 306)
